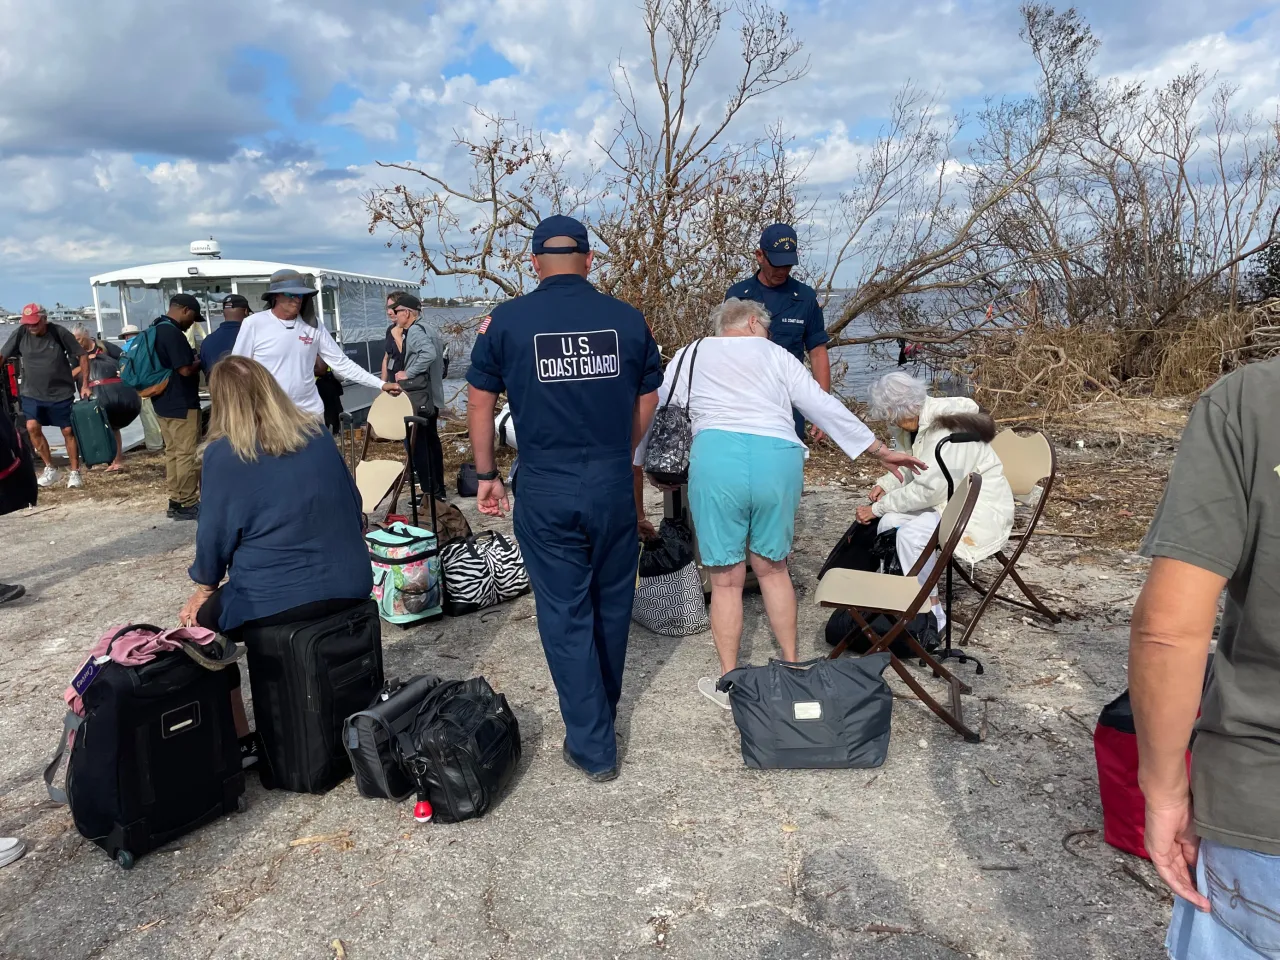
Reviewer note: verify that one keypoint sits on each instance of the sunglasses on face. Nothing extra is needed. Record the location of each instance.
(290, 296)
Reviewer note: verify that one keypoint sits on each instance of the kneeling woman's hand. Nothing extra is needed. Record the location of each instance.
(866, 514)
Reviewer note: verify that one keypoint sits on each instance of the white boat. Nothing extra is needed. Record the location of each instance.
(351, 305)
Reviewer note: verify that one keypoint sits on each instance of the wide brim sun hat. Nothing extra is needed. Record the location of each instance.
(289, 281)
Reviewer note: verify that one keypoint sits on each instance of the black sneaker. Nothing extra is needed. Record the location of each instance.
(173, 505)
(603, 777)
(186, 513)
(11, 591)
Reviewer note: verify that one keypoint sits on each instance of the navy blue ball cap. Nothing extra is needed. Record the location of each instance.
(560, 226)
(780, 245)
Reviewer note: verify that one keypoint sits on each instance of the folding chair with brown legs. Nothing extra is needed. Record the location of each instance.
(385, 421)
(903, 597)
(1029, 461)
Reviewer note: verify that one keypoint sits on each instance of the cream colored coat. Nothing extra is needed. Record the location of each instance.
(992, 520)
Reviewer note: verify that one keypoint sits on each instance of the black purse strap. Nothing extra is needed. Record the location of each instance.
(688, 395)
(675, 381)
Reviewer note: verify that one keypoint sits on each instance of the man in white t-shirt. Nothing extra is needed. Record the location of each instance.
(286, 339)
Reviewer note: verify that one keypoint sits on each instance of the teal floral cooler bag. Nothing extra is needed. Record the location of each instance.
(406, 573)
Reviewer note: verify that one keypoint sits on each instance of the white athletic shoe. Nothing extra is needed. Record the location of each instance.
(49, 477)
(707, 687)
(11, 848)
(73, 480)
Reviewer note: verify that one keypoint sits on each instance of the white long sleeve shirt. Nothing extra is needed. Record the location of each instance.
(289, 349)
(749, 385)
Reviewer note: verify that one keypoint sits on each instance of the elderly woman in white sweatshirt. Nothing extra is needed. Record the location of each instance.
(913, 505)
(746, 468)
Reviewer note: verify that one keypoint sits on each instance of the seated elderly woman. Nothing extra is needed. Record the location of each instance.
(746, 468)
(913, 505)
(279, 514)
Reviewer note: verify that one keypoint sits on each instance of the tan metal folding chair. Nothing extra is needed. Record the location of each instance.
(375, 479)
(385, 421)
(1029, 462)
(903, 597)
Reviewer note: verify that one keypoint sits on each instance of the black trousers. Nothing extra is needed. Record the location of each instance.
(428, 457)
(211, 612)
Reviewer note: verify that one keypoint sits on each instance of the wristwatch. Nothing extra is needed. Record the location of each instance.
(490, 475)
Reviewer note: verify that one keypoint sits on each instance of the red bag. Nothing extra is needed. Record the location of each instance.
(1124, 809)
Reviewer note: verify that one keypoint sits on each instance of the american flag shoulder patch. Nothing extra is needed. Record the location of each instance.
(484, 324)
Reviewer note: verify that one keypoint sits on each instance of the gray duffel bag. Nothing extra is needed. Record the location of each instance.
(819, 713)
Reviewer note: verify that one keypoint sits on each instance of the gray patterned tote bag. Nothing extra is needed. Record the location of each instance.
(666, 458)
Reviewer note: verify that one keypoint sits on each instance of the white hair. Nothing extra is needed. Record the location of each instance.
(897, 396)
(735, 314)
(80, 330)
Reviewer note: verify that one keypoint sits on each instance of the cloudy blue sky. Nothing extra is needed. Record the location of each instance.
(129, 128)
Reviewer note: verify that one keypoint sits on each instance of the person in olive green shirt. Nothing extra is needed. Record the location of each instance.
(1216, 841)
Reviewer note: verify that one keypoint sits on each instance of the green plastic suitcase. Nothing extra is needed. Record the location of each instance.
(94, 439)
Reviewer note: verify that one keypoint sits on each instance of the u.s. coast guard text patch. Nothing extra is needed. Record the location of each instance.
(589, 355)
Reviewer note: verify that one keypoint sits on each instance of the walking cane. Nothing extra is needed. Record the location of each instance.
(947, 653)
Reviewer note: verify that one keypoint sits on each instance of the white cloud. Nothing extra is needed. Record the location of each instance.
(132, 80)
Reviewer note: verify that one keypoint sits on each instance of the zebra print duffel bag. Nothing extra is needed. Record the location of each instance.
(481, 570)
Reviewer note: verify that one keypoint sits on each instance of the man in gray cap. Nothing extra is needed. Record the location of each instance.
(286, 339)
(422, 377)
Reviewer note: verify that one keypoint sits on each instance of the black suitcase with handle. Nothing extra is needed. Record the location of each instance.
(155, 755)
(307, 678)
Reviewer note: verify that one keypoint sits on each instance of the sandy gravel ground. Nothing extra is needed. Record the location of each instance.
(949, 850)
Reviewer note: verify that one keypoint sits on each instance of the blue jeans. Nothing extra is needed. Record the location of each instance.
(1243, 888)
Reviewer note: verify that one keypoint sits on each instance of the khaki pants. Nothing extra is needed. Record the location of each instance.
(150, 426)
(180, 439)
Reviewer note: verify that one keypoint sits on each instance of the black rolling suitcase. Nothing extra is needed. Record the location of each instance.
(307, 678)
(155, 755)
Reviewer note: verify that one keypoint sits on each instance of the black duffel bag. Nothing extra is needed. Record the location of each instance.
(462, 748)
(372, 738)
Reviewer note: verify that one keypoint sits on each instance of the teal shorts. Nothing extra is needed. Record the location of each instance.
(744, 491)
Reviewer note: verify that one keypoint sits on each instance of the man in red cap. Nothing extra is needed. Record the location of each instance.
(49, 355)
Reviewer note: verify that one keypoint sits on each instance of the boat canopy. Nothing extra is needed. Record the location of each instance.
(351, 305)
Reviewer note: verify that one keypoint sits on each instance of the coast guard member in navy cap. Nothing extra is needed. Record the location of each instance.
(581, 371)
(797, 316)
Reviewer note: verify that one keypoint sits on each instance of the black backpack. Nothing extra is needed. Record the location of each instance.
(923, 627)
(155, 755)
(861, 548)
(462, 748)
